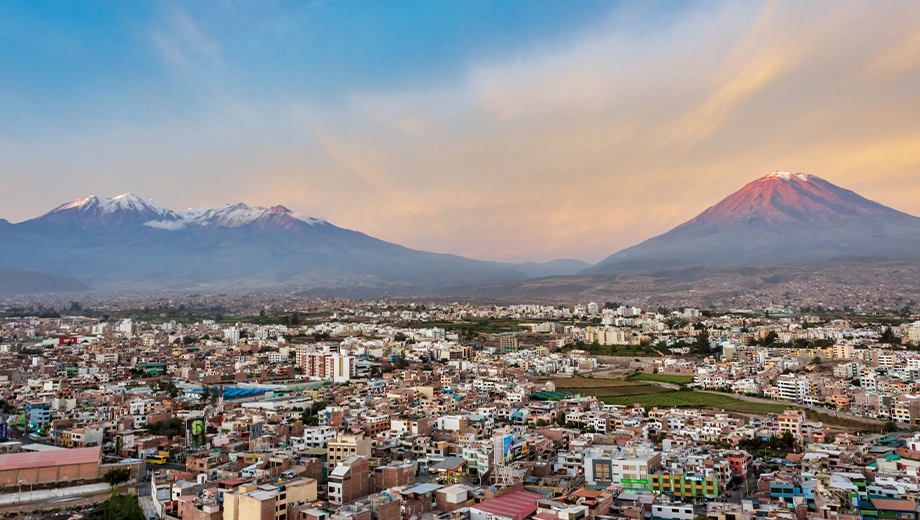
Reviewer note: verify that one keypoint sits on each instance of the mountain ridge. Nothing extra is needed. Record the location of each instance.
(129, 242)
(779, 219)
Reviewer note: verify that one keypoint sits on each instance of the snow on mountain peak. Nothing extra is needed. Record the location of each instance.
(78, 203)
(128, 207)
(126, 202)
(131, 202)
(786, 176)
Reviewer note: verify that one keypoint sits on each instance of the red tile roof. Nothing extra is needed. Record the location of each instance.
(43, 459)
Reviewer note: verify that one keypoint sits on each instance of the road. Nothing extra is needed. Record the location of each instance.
(145, 499)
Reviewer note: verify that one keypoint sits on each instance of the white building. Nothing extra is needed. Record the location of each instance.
(611, 465)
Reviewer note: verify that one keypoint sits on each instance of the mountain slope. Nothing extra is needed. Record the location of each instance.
(128, 242)
(778, 219)
(31, 282)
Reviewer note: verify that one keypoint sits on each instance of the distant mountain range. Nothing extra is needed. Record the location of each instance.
(129, 242)
(781, 219)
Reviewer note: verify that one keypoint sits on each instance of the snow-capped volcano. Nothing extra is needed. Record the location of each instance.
(780, 218)
(129, 209)
(127, 241)
(126, 208)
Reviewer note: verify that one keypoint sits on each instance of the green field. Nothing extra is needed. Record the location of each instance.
(662, 378)
(479, 326)
(675, 399)
(611, 391)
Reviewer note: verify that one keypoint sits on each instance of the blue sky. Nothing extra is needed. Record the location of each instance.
(525, 130)
(72, 66)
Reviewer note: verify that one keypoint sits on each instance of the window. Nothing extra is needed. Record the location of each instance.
(601, 471)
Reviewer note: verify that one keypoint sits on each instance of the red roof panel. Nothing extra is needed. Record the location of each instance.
(516, 505)
(43, 459)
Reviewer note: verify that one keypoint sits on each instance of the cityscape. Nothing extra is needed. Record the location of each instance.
(518, 260)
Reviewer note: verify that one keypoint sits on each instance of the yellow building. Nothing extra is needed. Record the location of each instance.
(344, 446)
(268, 501)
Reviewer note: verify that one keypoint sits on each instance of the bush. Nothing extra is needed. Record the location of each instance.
(119, 507)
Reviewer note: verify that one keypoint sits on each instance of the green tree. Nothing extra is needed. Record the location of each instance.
(890, 427)
(119, 507)
(889, 337)
(116, 476)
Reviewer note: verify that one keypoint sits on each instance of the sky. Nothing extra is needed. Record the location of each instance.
(512, 130)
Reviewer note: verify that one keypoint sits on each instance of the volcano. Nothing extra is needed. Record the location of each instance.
(779, 219)
(130, 242)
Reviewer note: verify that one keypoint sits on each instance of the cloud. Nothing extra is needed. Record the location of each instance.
(169, 225)
(625, 130)
(179, 40)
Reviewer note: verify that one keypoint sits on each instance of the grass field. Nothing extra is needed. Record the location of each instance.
(479, 326)
(662, 378)
(611, 391)
(601, 387)
(675, 399)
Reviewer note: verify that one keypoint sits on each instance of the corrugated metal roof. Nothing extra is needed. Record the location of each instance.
(517, 505)
(43, 459)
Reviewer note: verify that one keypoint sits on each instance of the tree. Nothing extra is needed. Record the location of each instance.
(119, 507)
(702, 339)
(889, 337)
(116, 476)
(890, 427)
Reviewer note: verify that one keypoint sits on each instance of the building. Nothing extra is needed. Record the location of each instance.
(791, 421)
(349, 481)
(516, 505)
(508, 342)
(232, 335)
(50, 466)
(268, 501)
(687, 485)
(39, 411)
(606, 336)
(340, 368)
(676, 511)
(792, 388)
(344, 446)
(614, 465)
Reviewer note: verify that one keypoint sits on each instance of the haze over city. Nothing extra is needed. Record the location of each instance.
(505, 131)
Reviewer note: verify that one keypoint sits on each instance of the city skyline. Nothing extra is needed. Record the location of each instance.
(513, 132)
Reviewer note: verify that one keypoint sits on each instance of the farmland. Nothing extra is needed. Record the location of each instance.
(673, 399)
(601, 387)
(662, 378)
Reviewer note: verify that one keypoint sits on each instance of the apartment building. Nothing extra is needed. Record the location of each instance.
(349, 480)
(791, 421)
(268, 501)
(317, 436)
(615, 465)
(606, 336)
(792, 388)
(344, 446)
